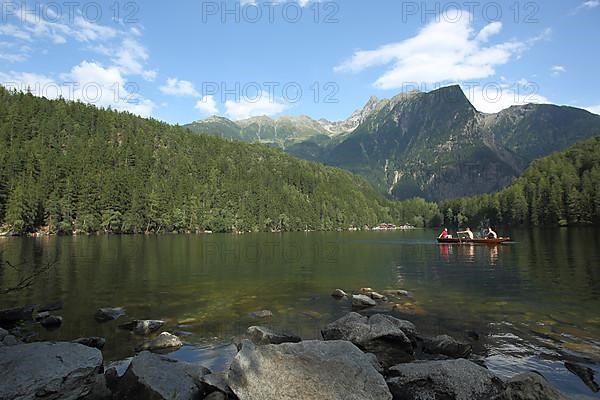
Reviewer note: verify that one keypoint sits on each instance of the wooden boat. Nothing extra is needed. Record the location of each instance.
(499, 240)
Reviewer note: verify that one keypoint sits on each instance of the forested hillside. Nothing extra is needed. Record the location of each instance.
(561, 189)
(69, 167)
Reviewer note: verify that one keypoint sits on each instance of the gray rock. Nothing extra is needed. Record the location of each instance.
(389, 338)
(3, 333)
(58, 305)
(109, 314)
(152, 376)
(447, 346)
(447, 380)
(10, 340)
(262, 335)
(143, 327)
(40, 316)
(51, 321)
(164, 341)
(306, 370)
(95, 342)
(12, 315)
(585, 374)
(529, 386)
(217, 382)
(377, 296)
(361, 300)
(339, 294)
(261, 314)
(49, 371)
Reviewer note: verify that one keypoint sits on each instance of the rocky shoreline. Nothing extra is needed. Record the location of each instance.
(359, 357)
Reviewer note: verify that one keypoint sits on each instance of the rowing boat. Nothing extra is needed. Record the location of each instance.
(499, 240)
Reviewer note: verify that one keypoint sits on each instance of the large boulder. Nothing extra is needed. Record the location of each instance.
(389, 338)
(447, 346)
(306, 370)
(155, 377)
(263, 335)
(529, 386)
(164, 341)
(143, 327)
(447, 380)
(49, 370)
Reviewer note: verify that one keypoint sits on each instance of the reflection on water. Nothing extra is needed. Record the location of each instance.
(534, 303)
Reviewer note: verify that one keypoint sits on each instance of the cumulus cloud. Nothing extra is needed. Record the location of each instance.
(262, 104)
(176, 87)
(207, 105)
(448, 49)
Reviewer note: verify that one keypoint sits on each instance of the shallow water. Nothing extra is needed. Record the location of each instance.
(534, 302)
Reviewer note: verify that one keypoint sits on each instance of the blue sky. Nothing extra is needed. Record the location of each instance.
(187, 60)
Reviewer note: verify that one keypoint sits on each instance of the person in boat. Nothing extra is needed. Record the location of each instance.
(444, 234)
(490, 234)
(467, 232)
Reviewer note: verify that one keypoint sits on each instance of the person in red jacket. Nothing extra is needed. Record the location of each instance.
(444, 234)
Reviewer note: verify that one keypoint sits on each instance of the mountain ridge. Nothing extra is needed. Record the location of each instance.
(437, 145)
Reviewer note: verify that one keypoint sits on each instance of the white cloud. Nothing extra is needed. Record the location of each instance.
(589, 4)
(493, 98)
(14, 31)
(131, 57)
(556, 70)
(261, 105)
(446, 50)
(176, 87)
(207, 105)
(88, 82)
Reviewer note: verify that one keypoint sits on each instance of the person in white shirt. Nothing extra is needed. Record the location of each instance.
(467, 232)
(491, 234)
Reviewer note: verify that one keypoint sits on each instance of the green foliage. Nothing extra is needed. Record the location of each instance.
(72, 167)
(561, 189)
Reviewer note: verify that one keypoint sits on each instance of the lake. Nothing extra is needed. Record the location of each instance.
(534, 302)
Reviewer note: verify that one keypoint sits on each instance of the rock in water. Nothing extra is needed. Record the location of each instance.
(51, 321)
(585, 374)
(143, 327)
(447, 380)
(339, 294)
(261, 335)
(389, 338)
(261, 314)
(447, 346)
(109, 314)
(57, 305)
(529, 386)
(164, 341)
(49, 371)
(13, 315)
(3, 334)
(95, 342)
(306, 370)
(361, 300)
(151, 376)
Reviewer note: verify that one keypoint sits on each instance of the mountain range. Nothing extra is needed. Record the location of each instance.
(434, 145)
